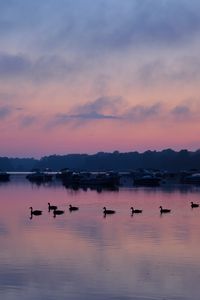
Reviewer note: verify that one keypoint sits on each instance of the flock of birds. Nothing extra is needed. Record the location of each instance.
(53, 208)
(106, 211)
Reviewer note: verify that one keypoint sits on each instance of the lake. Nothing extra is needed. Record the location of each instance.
(84, 255)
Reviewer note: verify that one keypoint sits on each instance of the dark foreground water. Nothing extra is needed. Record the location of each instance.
(83, 255)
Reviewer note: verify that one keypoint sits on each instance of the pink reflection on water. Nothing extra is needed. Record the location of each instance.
(153, 254)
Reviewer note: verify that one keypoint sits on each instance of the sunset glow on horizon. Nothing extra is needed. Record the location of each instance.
(105, 75)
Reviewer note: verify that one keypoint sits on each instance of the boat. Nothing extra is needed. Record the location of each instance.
(192, 179)
(4, 176)
(89, 179)
(147, 180)
(39, 177)
(63, 174)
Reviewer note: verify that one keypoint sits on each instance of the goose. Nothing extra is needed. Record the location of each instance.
(108, 211)
(52, 207)
(73, 208)
(57, 212)
(164, 210)
(35, 212)
(194, 205)
(136, 211)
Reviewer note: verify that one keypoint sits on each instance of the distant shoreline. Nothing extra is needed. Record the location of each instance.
(167, 159)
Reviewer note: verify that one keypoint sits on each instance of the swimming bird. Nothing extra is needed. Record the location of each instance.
(164, 210)
(52, 207)
(57, 212)
(108, 211)
(35, 212)
(194, 205)
(136, 211)
(73, 208)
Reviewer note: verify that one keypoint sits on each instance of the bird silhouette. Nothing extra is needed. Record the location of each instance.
(73, 208)
(164, 210)
(51, 207)
(194, 204)
(136, 211)
(108, 211)
(35, 212)
(57, 212)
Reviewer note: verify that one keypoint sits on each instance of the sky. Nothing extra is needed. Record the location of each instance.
(83, 76)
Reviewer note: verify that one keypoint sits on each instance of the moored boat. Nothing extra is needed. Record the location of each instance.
(89, 179)
(147, 180)
(192, 179)
(4, 176)
(39, 177)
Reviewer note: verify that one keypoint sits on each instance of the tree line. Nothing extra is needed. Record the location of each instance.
(167, 159)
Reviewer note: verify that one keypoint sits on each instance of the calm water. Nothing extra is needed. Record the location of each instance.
(83, 255)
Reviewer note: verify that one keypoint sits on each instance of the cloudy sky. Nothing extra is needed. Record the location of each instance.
(99, 75)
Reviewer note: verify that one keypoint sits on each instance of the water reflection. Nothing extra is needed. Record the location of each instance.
(86, 256)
